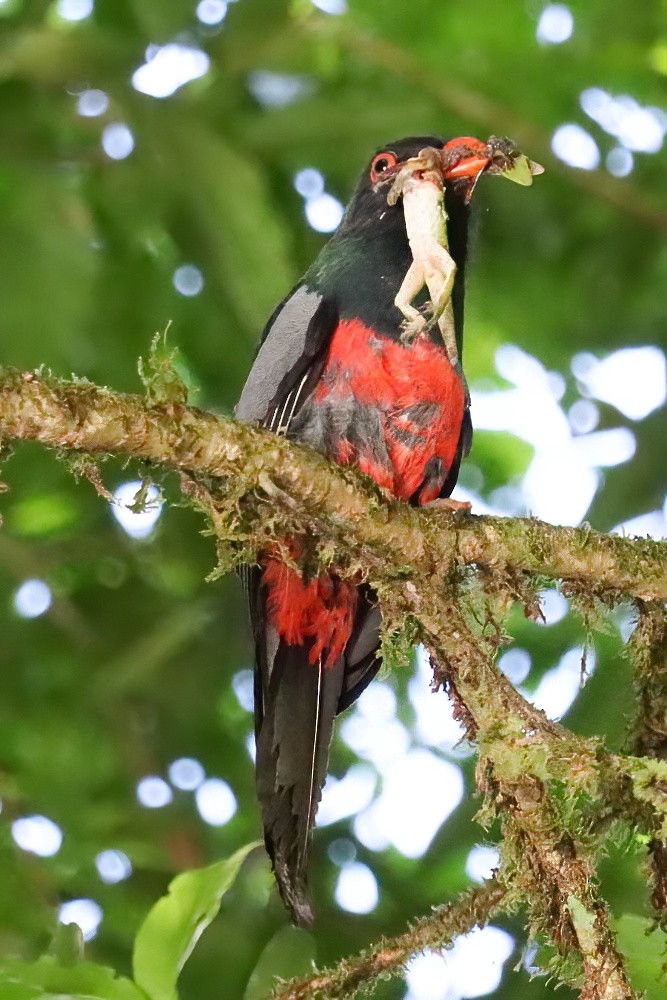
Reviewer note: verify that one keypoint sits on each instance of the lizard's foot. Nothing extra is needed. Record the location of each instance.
(450, 505)
(431, 314)
(412, 328)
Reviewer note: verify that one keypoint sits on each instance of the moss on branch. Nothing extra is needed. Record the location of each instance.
(339, 506)
(389, 955)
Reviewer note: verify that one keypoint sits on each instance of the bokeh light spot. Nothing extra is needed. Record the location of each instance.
(633, 379)
(154, 792)
(169, 67)
(216, 802)
(559, 687)
(117, 141)
(309, 182)
(473, 967)
(74, 10)
(553, 606)
(243, 684)
(346, 796)
(637, 128)
(324, 212)
(407, 814)
(186, 773)
(356, 888)
(32, 599)
(211, 11)
(113, 866)
(37, 834)
(435, 722)
(92, 103)
(606, 448)
(575, 146)
(136, 523)
(277, 90)
(619, 162)
(84, 912)
(555, 25)
(331, 6)
(342, 851)
(481, 862)
(379, 740)
(515, 664)
(583, 416)
(653, 523)
(378, 702)
(188, 280)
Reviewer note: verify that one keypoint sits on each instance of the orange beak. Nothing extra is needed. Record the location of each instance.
(475, 158)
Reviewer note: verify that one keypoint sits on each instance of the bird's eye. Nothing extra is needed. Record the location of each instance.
(381, 163)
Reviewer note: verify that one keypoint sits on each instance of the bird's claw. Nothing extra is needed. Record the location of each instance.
(449, 505)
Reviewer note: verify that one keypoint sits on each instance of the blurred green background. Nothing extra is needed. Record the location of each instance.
(174, 163)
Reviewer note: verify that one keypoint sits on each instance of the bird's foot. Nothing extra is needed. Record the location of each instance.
(450, 505)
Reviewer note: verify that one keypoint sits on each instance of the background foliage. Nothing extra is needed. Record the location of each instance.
(131, 666)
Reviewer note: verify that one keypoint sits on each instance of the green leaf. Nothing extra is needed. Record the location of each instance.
(46, 978)
(173, 926)
(644, 950)
(289, 953)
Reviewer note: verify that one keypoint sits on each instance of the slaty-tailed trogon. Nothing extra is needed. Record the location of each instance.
(332, 370)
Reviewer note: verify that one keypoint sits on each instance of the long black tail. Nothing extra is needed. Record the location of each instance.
(292, 757)
(296, 702)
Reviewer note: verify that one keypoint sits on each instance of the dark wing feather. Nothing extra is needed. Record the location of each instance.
(463, 448)
(290, 359)
(361, 655)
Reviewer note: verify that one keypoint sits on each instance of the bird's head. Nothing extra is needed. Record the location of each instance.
(368, 206)
(458, 162)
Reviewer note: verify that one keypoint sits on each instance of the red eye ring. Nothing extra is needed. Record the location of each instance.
(381, 163)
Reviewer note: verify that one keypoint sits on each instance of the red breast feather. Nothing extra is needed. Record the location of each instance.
(415, 394)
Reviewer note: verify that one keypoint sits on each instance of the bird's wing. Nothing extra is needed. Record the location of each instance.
(289, 360)
(462, 450)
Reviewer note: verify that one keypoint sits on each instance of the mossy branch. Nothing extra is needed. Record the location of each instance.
(256, 488)
(391, 540)
(389, 955)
